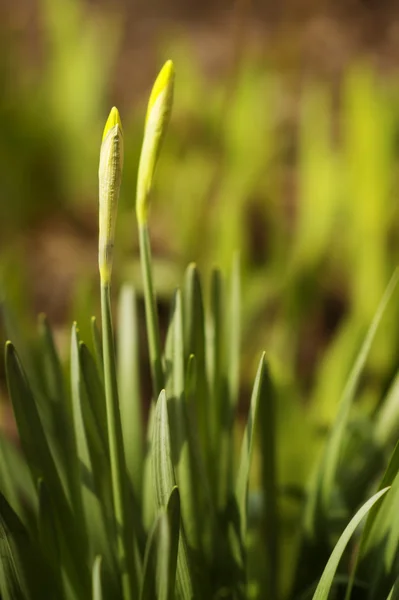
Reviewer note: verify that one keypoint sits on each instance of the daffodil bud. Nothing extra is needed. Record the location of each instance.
(110, 175)
(156, 122)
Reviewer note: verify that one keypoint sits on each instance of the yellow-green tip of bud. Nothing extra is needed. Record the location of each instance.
(113, 119)
(110, 176)
(156, 122)
(163, 83)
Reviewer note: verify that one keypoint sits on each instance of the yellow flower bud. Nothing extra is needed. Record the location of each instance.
(110, 176)
(156, 122)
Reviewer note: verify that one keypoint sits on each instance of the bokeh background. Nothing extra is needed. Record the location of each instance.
(283, 145)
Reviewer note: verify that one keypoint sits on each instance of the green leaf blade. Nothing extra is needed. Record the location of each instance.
(326, 580)
(194, 332)
(97, 593)
(241, 486)
(334, 444)
(129, 385)
(164, 481)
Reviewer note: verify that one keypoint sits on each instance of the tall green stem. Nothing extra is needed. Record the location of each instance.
(117, 457)
(154, 343)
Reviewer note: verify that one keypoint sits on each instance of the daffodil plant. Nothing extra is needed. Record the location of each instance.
(95, 504)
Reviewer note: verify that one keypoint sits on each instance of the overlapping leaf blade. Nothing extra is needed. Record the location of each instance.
(164, 480)
(268, 447)
(16, 481)
(180, 442)
(394, 593)
(95, 397)
(98, 475)
(54, 407)
(220, 409)
(194, 335)
(334, 444)
(168, 547)
(326, 580)
(90, 516)
(148, 584)
(205, 514)
(19, 559)
(241, 487)
(41, 464)
(380, 536)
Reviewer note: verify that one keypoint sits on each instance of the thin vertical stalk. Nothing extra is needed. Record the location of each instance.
(117, 457)
(154, 343)
(156, 121)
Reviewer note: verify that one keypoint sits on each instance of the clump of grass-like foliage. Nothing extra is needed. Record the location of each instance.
(96, 506)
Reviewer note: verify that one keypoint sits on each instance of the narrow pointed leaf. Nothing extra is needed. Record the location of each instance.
(194, 318)
(380, 535)
(161, 553)
(147, 591)
(13, 332)
(162, 463)
(220, 411)
(148, 499)
(22, 573)
(55, 409)
(14, 584)
(164, 480)
(93, 412)
(268, 448)
(194, 326)
(394, 593)
(387, 480)
(334, 444)
(85, 505)
(181, 453)
(326, 580)
(202, 505)
(168, 548)
(98, 495)
(41, 463)
(15, 480)
(53, 375)
(95, 395)
(214, 352)
(241, 488)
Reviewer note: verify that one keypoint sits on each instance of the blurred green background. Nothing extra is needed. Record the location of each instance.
(283, 144)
